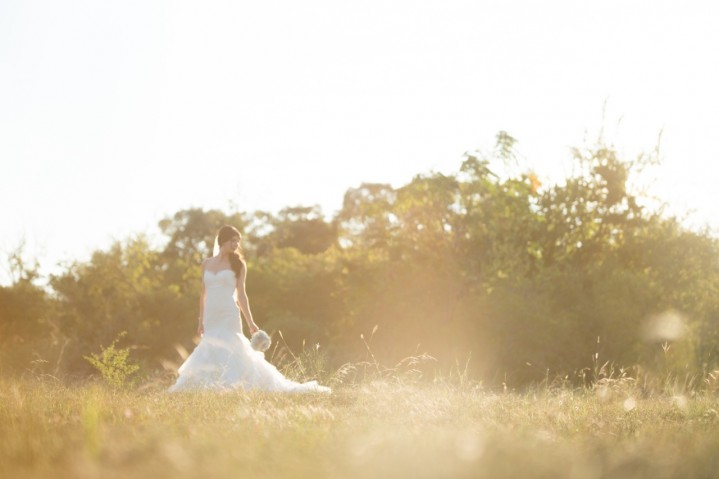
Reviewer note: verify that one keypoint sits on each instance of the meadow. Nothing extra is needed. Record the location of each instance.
(528, 281)
(380, 426)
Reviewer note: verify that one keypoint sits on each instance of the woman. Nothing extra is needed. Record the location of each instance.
(224, 359)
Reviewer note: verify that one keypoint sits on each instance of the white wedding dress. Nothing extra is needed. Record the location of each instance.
(224, 359)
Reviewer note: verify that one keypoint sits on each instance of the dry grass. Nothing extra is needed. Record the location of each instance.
(372, 429)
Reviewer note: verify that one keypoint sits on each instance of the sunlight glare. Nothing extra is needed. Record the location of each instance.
(666, 326)
(680, 401)
(469, 445)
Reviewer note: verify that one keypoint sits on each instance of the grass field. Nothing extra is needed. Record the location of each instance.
(372, 428)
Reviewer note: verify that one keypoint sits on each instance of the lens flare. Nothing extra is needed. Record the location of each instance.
(667, 326)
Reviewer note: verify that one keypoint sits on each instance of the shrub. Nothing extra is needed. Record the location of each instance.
(113, 363)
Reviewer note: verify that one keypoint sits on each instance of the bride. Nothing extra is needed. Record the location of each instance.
(224, 358)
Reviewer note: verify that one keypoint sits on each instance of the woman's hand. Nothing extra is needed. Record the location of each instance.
(253, 329)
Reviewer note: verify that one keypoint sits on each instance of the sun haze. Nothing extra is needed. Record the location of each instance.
(113, 115)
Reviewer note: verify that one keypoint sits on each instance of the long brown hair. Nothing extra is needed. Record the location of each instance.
(237, 260)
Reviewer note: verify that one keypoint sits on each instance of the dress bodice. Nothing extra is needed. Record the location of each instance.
(220, 280)
(221, 311)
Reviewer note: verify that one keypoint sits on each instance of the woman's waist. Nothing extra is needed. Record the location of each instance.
(228, 306)
(221, 306)
(221, 316)
(219, 296)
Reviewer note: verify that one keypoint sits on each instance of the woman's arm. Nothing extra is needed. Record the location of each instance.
(201, 318)
(242, 300)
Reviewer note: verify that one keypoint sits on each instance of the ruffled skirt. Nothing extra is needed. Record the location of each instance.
(228, 362)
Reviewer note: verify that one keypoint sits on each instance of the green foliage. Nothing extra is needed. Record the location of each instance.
(302, 228)
(23, 310)
(484, 262)
(29, 336)
(191, 233)
(114, 364)
(127, 287)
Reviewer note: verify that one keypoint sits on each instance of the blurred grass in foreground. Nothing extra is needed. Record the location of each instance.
(376, 428)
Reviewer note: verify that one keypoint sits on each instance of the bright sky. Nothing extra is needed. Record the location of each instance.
(116, 114)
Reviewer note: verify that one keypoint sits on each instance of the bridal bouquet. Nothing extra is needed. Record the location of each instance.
(260, 341)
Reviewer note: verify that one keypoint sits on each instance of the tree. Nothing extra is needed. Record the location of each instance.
(299, 227)
(26, 327)
(125, 288)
